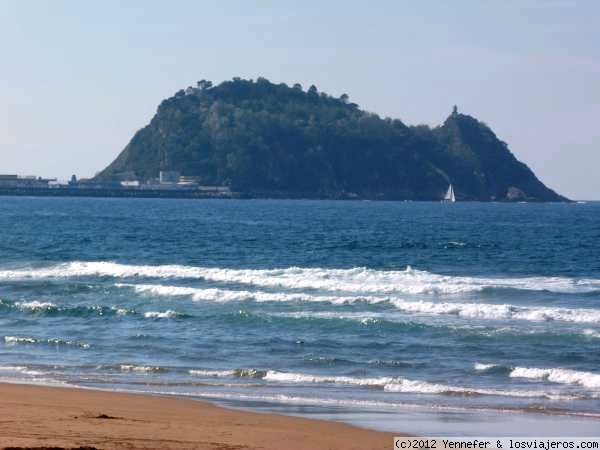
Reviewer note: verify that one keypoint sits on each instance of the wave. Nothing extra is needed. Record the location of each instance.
(290, 399)
(467, 310)
(49, 308)
(141, 369)
(500, 312)
(388, 384)
(15, 340)
(403, 385)
(358, 279)
(224, 295)
(36, 306)
(556, 375)
(591, 333)
(356, 403)
(19, 340)
(239, 373)
(212, 373)
(169, 314)
(482, 367)
(365, 318)
(487, 368)
(398, 384)
(20, 370)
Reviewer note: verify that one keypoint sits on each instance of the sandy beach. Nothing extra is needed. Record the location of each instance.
(40, 417)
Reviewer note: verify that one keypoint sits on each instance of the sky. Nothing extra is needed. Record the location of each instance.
(80, 78)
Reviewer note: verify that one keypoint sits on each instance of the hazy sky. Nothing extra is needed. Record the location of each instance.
(80, 77)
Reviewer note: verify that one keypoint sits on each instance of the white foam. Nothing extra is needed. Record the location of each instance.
(20, 370)
(19, 340)
(62, 342)
(591, 333)
(13, 340)
(286, 377)
(359, 280)
(288, 399)
(500, 312)
(421, 387)
(12, 368)
(239, 373)
(481, 367)
(467, 310)
(140, 369)
(557, 375)
(225, 295)
(364, 317)
(354, 403)
(388, 384)
(212, 373)
(169, 314)
(398, 384)
(36, 306)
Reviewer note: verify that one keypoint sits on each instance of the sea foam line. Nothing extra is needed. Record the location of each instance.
(141, 369)
(322, 401)
(169, 314)
(557, 375)
(500, 312)
(21, 370)
(388, 384)
(358, 279)
(483, 367)
(38, 307)
(14, 340)
(225, 295)
(467, 310)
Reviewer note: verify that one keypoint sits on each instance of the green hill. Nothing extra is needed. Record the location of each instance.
(262, 138)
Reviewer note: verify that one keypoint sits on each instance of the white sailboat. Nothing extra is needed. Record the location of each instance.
(450, 197)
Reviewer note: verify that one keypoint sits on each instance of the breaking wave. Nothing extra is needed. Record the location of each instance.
(169, 314)
(388, 384)
(591, 333)
(19, 370)
(141, 369)
(556, 375)
(482, 367)
(224, 295)
(467, 310)
(36, 306)
(500, 312)
(358, 279)
(48, 308)
(240, 373)
(14, 340)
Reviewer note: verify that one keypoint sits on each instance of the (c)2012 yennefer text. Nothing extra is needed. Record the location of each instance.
(512, 443)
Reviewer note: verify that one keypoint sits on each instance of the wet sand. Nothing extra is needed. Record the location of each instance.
(37, 417)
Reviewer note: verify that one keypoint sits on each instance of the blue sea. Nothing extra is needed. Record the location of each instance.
(430, 318)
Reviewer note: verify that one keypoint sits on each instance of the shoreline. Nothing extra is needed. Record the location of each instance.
(70, 417)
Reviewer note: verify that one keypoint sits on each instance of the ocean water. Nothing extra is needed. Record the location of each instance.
(420, 317)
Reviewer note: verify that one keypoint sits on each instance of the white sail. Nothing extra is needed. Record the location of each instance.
(450, 197)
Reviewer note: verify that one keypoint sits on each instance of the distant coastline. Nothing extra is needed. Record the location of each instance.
(117, 192)
(110, 192)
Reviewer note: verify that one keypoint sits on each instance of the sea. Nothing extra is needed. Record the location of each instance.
(428, 318)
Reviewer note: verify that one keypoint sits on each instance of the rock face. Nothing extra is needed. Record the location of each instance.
(482, 167)
(261, 138)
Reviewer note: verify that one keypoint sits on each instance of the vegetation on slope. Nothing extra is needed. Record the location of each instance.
(259, 137)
